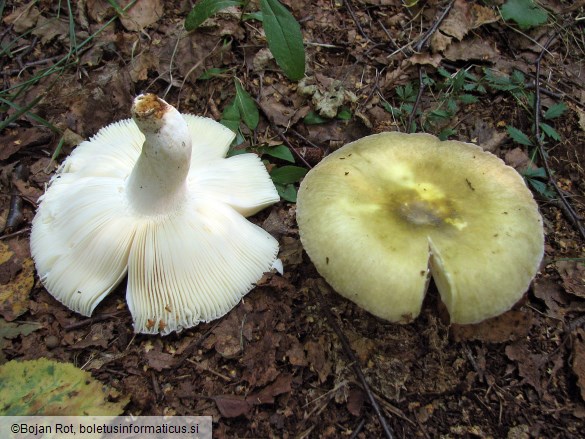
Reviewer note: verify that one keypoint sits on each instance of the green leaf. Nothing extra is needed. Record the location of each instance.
(518, 77)
(231, 117)
(550, 131)
(555, 111)
(253, 16)
(46, 387)
(287, 174)
(541, 187)
(443, 72)
(280, 152)
(446, 133)
(246, 106)
(440, 114)
(344, 114)
(205, 9)
(211, 73)
(468, 99)
(313, 118)
(285, 39)
(525, 13)
(534, 173)
(518, 136)
(287, 192)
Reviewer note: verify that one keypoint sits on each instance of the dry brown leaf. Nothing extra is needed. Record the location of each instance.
(317, 359)
(232, 406)
(552, 295)
(23, 18)
(142, 14)
(355, 401)
(426, 59)
(475, 49)
(573, 275)
(160, 360)
(295, 353)
(513, 325)
(17, 280)
(463, 17)
(142, 64)
(291, 252)
(20, 138)
(50, 28)
(281, 385)
(228, 335)
(99, 10)
(517, 158)
(529, 364)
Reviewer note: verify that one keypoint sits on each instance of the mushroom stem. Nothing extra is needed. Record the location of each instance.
(158, 182)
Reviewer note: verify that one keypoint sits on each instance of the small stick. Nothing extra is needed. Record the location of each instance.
(357, 369)
(417, 48)
(428, 34)
(358, 429)
(300, 157)
(421, 87)
(19, 232)
(91, 320)
(349, 8)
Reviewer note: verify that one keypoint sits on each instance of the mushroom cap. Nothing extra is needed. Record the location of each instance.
(189, 265)
(381, 215)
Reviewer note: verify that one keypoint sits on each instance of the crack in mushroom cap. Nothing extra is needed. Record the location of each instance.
(189, 265)
(381, 215)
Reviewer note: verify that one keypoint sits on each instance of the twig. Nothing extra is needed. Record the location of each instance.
(293, 149)
(421, 87)
(567, 209)
(19, 232)
(358, 370)
(429, 33)
(349, 8)
(417, 48)
(359, 428)
(92, 320)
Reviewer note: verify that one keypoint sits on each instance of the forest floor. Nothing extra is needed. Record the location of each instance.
(275, 366)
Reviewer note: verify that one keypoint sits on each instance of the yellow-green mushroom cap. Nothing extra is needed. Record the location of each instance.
(382, 214)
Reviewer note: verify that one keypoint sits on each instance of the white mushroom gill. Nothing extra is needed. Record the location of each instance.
(155, 197)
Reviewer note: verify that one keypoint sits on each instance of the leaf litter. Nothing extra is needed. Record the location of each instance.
(273, 366)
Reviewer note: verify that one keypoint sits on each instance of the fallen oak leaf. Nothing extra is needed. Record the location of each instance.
(232, 406)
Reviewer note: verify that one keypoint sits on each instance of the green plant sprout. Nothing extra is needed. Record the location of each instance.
(461, 88)
(242, 111)
(283, 32)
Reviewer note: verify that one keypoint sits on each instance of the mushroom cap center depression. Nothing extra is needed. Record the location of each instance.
(420, 206)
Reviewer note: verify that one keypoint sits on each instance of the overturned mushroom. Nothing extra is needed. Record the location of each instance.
(155, 197)
(381, 215)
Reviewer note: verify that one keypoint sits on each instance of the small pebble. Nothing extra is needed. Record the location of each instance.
(51, 342)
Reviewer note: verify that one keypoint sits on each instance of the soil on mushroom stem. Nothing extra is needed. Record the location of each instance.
(273, 367)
